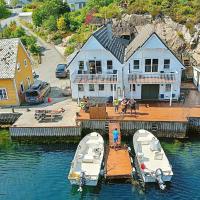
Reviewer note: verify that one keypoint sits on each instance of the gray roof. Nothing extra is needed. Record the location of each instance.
(8, 57)
(139, 40)
(110, 42)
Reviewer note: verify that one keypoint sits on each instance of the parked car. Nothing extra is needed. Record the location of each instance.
(62, 71)
(37, 92)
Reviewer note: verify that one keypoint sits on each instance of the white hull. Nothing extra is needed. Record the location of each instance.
(150, 157)
(88, 183)
(86, 165)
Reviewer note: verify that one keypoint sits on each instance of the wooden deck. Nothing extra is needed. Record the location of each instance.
(151, 113)
(118, 163)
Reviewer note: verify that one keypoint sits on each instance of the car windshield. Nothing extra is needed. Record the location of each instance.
(31, 93)
(60, 68)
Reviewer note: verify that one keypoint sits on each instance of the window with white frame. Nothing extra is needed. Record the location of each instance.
(167, 87)
(22, 87)
(18, 66)
(3, 94)
(151, 65)
(80, 87)
(91, 87)
(166, 63)
(25, 62)
(81, 65)
(136, 64)
(101, 87)
(111, 87)
(109, 64)
(132, 87)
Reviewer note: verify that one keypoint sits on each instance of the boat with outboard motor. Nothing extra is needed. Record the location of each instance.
(86, 165)
(151, 162)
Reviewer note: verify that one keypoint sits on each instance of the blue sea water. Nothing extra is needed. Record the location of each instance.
(38, 172)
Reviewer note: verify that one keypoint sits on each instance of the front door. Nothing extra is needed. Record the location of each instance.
(150, 91)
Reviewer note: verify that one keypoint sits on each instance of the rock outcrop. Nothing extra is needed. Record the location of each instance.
(177, 36)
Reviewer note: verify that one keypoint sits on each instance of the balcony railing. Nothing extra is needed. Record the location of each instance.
(147, 78)
(95, 78)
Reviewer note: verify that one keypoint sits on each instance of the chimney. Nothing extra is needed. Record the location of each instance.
(109, 30)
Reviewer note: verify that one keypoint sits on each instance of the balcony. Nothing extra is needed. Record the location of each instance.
(95, 78)
(148, 78)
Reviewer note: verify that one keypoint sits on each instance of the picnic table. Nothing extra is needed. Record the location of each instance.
(48, 115)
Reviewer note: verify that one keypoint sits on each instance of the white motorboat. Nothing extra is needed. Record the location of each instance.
(151, 161)
(87, 162)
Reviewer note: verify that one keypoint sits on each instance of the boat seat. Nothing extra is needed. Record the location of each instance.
(88, 158)
(158, 156)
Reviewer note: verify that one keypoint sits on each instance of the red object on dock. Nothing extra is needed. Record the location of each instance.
(49, 100)
(118, 162)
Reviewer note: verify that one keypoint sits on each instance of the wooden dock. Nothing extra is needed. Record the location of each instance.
(118, 162)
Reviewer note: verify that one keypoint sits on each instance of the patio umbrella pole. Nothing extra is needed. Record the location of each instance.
(170, 101)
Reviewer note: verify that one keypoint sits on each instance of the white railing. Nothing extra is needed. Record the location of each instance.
(95, 78)
(152, 77)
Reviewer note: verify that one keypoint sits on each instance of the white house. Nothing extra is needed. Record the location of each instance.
(76, 4)
(196, 77)
(144, 69)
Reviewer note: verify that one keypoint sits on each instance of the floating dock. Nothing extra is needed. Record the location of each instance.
(118, 162)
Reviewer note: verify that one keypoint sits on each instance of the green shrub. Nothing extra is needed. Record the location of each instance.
(69, 50)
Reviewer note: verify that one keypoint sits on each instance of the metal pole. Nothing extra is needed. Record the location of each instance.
(78, 97)
(113, 93)
(131, 91)
(170, 102)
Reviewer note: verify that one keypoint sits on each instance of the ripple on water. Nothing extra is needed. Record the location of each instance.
(39, 172)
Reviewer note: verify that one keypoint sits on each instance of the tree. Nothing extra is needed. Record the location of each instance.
(61, 24)
(4, 12)
(50, 24)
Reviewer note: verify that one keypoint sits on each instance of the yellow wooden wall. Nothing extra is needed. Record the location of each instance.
(24, 72)
(8, 84)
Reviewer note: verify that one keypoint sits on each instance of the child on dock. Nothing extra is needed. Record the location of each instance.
(115, 137)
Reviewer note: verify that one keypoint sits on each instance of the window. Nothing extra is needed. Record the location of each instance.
(147, 65)
(81, 65)
(136, 64)
(111, 87)
(166, 64)
(18, 66)
(25, 62)
(3, 94)
(98, 67)
(80, 88)
(151, 65)
(109, 64)
(101, 87)
(22, 87)
(167, 87)
(95, 67)
(132, 87)
(91, 87)
(155, 65)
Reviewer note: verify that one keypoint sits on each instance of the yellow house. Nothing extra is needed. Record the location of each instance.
(15, 72)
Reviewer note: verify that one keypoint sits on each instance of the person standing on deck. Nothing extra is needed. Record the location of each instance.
(115, 137)
(116, 104)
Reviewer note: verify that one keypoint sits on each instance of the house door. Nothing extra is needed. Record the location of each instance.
(150, 91)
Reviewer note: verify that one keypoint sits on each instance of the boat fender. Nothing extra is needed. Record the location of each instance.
(142, 166)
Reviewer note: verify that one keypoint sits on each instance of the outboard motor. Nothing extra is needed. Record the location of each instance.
(81, 181)
(159, 175)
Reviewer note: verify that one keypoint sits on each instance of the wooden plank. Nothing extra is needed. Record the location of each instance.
(118, 164)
